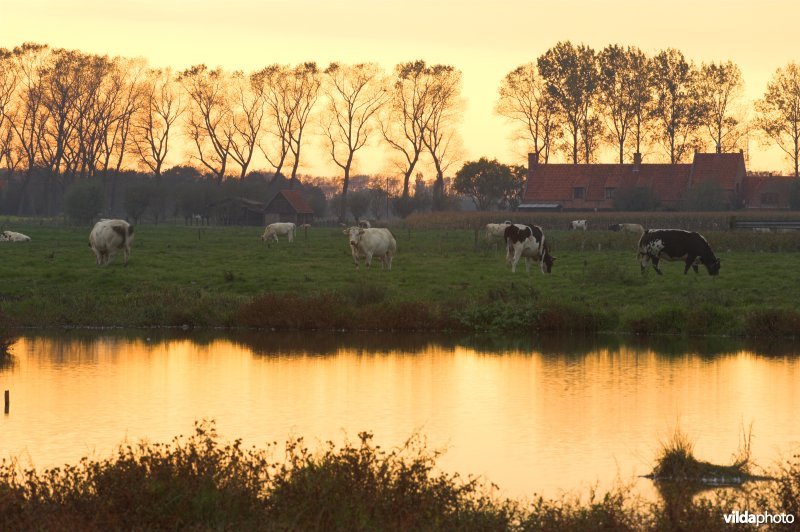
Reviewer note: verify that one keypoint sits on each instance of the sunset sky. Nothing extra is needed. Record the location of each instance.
(484, 39)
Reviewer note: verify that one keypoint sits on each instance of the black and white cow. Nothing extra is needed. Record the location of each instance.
(527, 241)
(676, 244)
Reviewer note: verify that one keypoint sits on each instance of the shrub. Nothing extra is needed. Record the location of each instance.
(83, 201)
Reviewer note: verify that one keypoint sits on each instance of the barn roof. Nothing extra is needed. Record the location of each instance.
(295, 200)
(724, 168)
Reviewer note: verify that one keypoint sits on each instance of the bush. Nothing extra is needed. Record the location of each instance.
(83, 201)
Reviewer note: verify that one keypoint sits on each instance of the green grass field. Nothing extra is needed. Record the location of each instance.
(442, 279)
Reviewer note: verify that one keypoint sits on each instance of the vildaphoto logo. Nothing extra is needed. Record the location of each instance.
(741, 518)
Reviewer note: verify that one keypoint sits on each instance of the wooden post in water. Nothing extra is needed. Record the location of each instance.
(8, 401)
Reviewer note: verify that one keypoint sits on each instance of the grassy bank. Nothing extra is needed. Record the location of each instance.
(444, 278)
(201, 483)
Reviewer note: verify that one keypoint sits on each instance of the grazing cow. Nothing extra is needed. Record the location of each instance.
(13, 236)
(527, 241)
(108, 237)
(364, 224)
(636, 229)
(372, 242)
(574, 225)
(496, 232)
(676, 244)
(279, 229)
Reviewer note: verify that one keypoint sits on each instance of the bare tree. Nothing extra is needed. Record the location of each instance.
(525, 101)
(272, 85)
(355, 94)
(407, 115)
(9, 78)
(720, 87)
(621, 72)
(571, 75)
(441, 136)
(210, 121)
(779, 112)
(31, 114)
(303, 94)
(248, 117)
(162, 107)
(676, 106)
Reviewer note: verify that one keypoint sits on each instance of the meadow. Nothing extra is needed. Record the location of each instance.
(445, 277)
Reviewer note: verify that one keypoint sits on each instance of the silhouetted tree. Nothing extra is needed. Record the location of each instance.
(485, 181)
(779, 112)
(720, 86)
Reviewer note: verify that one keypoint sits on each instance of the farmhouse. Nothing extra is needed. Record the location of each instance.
(288, 206)
(594, 186)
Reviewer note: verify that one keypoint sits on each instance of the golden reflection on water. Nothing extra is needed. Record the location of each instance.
(527, 421)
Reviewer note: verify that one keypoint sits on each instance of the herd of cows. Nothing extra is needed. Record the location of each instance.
(521, 241)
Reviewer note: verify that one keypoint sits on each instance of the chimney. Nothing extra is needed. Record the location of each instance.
(637, 161)
(533, 160)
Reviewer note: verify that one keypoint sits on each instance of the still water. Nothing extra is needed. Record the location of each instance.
(533, 418)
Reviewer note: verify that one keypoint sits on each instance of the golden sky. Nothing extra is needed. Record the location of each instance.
(484, 39)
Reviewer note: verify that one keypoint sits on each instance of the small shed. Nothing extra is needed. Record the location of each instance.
(237, 211)
(288, 206)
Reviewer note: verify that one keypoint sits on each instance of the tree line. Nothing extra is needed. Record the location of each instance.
(67, 115)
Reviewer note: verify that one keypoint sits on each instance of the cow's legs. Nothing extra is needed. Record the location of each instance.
(368, 260)
(655, 265)
(515, 260)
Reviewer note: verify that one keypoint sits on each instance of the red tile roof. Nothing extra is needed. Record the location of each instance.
(725, 168)
(297, 201)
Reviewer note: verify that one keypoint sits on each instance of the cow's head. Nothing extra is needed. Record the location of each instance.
(713, 267)
(353, 235)
(614, 227)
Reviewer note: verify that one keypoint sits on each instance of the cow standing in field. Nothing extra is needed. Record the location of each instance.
(13, 236)
(527, 241)
(582, 225)
(372, 242)
(108, 237)
(496, 232)
(635, 229)
(279, 229)
(676, 244)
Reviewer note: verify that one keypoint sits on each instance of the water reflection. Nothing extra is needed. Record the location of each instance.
(532, 415)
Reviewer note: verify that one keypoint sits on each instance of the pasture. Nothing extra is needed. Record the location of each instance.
(442, 278)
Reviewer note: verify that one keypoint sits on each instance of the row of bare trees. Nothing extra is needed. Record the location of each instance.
(577, 101)
(79, 115)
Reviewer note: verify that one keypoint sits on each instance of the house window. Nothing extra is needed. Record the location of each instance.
(610, 191)
(769, 199)
(577, 192)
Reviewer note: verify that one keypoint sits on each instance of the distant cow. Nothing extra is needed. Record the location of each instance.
(636, 229)
(676, 244)
(527, 241)
(496, 232)
(372, 242)
(279, 229)
(574, 225)
(108, 237)
(364, 224)
(13, 236)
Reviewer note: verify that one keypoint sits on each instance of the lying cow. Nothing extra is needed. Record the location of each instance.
(636, 229)
(108, 237)
(279, 229)
(574, 225)
(676, 244)
(372, 242)
(13, 236)
(527, 241)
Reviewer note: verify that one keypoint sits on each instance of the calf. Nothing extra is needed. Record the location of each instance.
(527, 241)
(13, 236)
(279, 229)
(108, 237)
(372, 242)
(676, 244)
(574, 225)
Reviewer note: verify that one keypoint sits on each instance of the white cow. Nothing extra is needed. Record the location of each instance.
(280, 229)
(13, 236)
(364, 224)
(574, 225)
(635, 229)
(108, 237)
(495, 232)
(372, 242)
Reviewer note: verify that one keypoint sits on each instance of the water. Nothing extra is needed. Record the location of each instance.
(533, 417)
